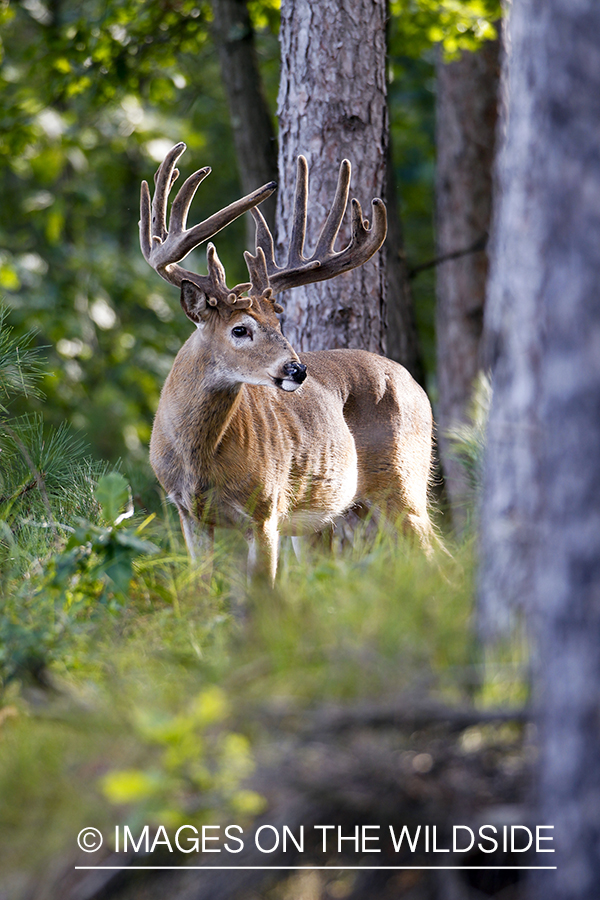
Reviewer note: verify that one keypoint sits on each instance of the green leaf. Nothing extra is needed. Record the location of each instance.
(130, 785)
(112, 493)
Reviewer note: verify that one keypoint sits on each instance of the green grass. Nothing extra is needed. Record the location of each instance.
(132, 682)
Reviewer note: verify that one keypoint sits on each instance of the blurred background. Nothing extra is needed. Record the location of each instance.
(135, 690)
(93, 94)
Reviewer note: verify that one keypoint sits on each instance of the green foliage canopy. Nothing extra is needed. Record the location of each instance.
(92, 94)
(455, 24)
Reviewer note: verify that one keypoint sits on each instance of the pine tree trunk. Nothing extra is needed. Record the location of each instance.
(332, 105)
(541, 509)
(402, 341)
(467, 95)
(253, 134)
(511, 347)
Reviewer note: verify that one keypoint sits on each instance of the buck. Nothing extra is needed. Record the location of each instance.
(247, 433)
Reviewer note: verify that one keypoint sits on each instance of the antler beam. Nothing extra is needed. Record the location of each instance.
(163, 247)
(325, 262)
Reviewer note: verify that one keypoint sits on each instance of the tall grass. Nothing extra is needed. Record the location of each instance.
(134, 687)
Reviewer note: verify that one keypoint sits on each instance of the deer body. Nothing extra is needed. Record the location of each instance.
(249, 435)
(269, 463)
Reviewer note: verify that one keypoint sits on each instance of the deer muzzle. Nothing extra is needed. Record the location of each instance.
(294, 375)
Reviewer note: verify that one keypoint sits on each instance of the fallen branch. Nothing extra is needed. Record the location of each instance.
(406, 763)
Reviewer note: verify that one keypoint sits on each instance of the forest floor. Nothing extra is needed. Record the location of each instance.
(355, 694)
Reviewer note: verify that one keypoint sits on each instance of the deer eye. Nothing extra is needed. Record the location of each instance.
(240, 331)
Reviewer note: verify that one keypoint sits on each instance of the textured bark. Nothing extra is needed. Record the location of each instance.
(253, 134)
(402, 342)
(512, 348)
(332, 104)
(541, 510)
(467, 94)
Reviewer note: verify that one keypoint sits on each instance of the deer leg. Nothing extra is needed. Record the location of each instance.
(299, 548)
(263, 545)
(323, 540)
(420, 526)
(199, 542)
(412, 518)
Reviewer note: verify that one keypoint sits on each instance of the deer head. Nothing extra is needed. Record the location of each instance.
(240, 324)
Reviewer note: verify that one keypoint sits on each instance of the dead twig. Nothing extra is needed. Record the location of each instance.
(479, 245)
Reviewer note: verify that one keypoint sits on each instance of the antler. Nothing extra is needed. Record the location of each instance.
(164, 247)
(325, 262)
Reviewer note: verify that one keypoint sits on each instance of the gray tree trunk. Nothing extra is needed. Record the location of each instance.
(541, 506)
(466, 113)
(512, 336)
(402, 341)
(253, 133)
(332, 104)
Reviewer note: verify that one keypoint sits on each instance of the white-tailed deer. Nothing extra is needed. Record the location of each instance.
(247, 433)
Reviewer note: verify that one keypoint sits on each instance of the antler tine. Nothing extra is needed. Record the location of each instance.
(264, 242)
(163, 180)
(183, 200)
(264, 239)
(145, 221)
(259, 275)
(366, 240)
(219, 290)
(296, 257)
(163, 248)
(332, 224)
(325, 262)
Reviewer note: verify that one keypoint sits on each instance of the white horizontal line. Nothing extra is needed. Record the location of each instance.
(323, 868)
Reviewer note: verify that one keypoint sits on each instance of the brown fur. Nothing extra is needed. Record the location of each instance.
(270, 461)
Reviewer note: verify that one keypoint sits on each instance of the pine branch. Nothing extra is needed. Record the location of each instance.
(21, 366)
(34, 471)
(10, 498)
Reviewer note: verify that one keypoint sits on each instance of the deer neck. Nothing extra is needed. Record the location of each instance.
(205, 405)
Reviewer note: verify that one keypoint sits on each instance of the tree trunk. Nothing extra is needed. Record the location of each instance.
(467, 94)
(541, 521)
(402, 341)
(253, 134)
(332, 105)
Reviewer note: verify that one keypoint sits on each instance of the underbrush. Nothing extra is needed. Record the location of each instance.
(137, 690)
(148, 707)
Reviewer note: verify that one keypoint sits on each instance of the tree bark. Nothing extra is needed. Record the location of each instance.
(511, 348)
(253, 134)
(402, 341)
(541, 505)
(466, 112)
(332, 105)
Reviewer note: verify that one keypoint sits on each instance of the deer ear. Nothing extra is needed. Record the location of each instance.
(194, 302)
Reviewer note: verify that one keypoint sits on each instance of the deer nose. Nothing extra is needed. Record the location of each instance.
(296, 371)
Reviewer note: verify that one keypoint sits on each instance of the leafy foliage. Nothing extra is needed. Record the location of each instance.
(455, 24)
(45, 476)
(92, 570)
(195, 769)
(468, 439)
(92, 95)
(71, 159)
(20, 364)
(47, 483)
(96, 563)
(125, 642)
